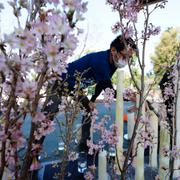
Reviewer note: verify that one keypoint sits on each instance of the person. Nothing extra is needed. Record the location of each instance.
(96, 68)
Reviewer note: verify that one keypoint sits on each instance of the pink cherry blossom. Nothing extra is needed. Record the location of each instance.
(128, 31)
(36, 149)
(130, 10)
(114, 3)
(145, 120)
(38, 117)
(93, 146)
(127, 9)
(35, 165)
(92, 167)
(72, 156)
(94, 115)
(64, 104)
(175, 152)
(109, 137)
(3, 66)
(52, 50)
(26, 89)
(39, 28)
(152, 31)
(58, 24)
(35, 53)
(145, 138)
(117, 27)
(45, 127)
(14, 141)
(108, 97)
(88, 175)
(3, 136)
(21, 39)
(128, 93)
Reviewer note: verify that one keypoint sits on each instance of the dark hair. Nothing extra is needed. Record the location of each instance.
(119, 44)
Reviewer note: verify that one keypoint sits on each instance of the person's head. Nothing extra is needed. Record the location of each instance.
(119, 53)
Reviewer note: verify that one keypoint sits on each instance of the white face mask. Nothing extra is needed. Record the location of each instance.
(120, 63)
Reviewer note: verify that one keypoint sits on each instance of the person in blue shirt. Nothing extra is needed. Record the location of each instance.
(95, 68)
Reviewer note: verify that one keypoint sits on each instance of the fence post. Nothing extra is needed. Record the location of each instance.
(102, 165)
(139, 160)
(177, 161)
(154, 148)
(163, 160)
(130, 124)
(119, 112)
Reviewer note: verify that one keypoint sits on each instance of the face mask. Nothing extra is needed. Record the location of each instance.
(121, 63)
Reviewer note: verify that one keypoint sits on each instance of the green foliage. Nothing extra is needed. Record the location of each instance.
(114, 78)
(165, 51)
(137, 76)
(91, 90)
(127, 79)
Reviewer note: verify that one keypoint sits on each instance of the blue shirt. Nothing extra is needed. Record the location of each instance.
(95, 67)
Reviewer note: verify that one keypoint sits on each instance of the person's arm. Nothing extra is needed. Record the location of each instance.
(102, 85)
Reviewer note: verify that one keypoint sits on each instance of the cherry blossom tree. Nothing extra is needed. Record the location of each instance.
(31, 57)
(128, 16)
(36, 54)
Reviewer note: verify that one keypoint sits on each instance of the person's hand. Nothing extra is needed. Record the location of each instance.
(92, 105)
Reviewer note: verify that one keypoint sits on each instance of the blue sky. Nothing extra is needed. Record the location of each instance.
(98, 21)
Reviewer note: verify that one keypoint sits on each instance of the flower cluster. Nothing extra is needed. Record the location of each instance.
(34, 54)
(64, 104)
(145, 138)
(128, 94)
(45, 126)
(35, 165)
(175, 152)
(88, 175)
(94, 147)
(108, 97)
(128, 9)
(94, 116)
(127, 30)
(151, 31)
(145, 134)
(107, 135)
(72, 156)
(14, 141)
